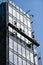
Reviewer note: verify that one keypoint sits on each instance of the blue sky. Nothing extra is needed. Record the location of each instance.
(36, 7)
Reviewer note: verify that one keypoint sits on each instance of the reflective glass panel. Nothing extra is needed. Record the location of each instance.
(28, 63)
(10, 56)
(15, 46)
(17, 15)
(15, 59)
(27, 54)
(24, 62)
(10, 9)
(21, 18)
(14, 12)
(10, 43)
(23, 51)
(20, 61)
(31, 57)
(36, 60)
(19, 48)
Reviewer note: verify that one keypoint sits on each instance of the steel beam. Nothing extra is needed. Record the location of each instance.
(34, 42)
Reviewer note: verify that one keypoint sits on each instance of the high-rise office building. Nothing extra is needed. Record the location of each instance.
(16, 38)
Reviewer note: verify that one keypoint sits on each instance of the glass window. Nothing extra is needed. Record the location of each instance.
(15, 59)
(30, 34)
(17, 15)
(25, 21)
(22, 26)
(14, 12)
(29, 24)
(27, 54)
(15, 46)
(28, 64)
(10, 19)
(31, 57)
(25, 30)
(23, 51)
(24, 62)
(36, 60)
(20, 61)
(21, 18)
(18, 24)
(19, 48)
(10, 9)
(10, 56)
(10, 43)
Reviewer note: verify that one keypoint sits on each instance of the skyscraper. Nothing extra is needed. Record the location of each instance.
(16, 36)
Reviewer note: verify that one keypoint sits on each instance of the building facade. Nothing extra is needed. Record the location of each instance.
(17, 36)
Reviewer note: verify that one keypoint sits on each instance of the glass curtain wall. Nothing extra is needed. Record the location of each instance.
(19, 53)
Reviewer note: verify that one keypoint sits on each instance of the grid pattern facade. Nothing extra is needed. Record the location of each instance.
(19, 19)
(19, 53)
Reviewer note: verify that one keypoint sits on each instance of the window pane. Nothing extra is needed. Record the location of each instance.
(20, 61)
(10, 19)
(21, 18)
(25, 21)
(31, 56)
(15, 46)
(19, 48)
(10, 56)
(18, 24)
(25, 30)
(28, 64)
(30, 35)
(36, 60)
(17, 15)
(10, 9)
(15, 59)
(24, 62)
(23, 51)
(27, 54)
(29, 24)
(14, 12)
(22, 26)
(10, 43)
